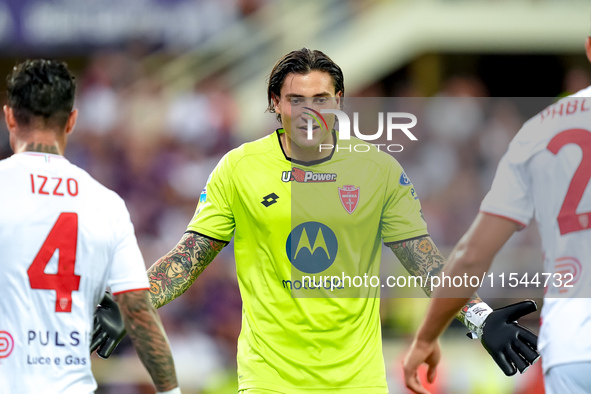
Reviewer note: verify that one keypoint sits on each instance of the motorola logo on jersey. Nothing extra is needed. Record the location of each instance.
(312, 247)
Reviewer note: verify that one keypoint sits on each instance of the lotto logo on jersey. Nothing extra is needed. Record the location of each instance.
(6, 344)
(301, 176)
(312, 247)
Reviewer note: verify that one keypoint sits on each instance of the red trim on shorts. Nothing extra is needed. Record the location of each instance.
(523, 225)
(127, 291)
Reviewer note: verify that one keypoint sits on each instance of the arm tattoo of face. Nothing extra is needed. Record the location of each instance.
(421, 257)
(149, 340)
(174, 273)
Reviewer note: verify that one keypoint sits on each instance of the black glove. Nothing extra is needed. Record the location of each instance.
(512, 346)
(109, 328)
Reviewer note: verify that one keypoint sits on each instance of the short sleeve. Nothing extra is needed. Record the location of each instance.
(402, 217)
(128, 270)
(213, 216)
(509, 196)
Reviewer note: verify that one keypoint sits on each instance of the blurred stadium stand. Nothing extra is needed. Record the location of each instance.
(165, 87)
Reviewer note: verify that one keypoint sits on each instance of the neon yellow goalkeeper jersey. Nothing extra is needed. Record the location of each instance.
(291, 220)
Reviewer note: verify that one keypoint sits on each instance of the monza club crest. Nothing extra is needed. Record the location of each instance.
(349, 196)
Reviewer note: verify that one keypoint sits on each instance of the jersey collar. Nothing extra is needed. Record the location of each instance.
(47, 157)
(280, 131)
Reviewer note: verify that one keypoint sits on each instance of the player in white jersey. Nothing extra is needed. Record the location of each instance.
(64, 238)
(544, 175)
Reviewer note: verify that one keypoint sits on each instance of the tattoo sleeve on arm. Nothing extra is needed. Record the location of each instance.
(149, 340)
(422, 258)
(174, 273)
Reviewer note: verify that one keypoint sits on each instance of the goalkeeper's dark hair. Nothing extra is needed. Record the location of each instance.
(41, 90)
(302, 61)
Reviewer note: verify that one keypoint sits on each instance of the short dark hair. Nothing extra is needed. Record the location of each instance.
(41, 89)
(302, 61)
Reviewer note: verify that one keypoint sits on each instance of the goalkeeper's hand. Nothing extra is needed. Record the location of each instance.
(512, 346)
(109, 328)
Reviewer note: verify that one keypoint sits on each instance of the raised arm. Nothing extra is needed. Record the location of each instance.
(148, 337)
(421, 257)
(175, 272)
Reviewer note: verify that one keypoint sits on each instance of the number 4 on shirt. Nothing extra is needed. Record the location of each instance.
(63, 237)
(568, 219)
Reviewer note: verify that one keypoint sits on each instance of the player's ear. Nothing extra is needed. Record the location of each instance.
(9, 118)
(588, 48)
(276, 103)
(338, 97)
(71, 121)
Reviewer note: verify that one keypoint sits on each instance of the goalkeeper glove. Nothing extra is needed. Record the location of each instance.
(512, 346)
(109, 328)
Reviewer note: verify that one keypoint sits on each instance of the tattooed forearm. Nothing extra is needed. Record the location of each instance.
(32, 147)
(149, 340)
(461, 315)
(422, 258)
(174, 273)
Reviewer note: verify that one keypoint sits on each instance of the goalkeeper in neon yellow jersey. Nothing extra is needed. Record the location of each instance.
(298, 213)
